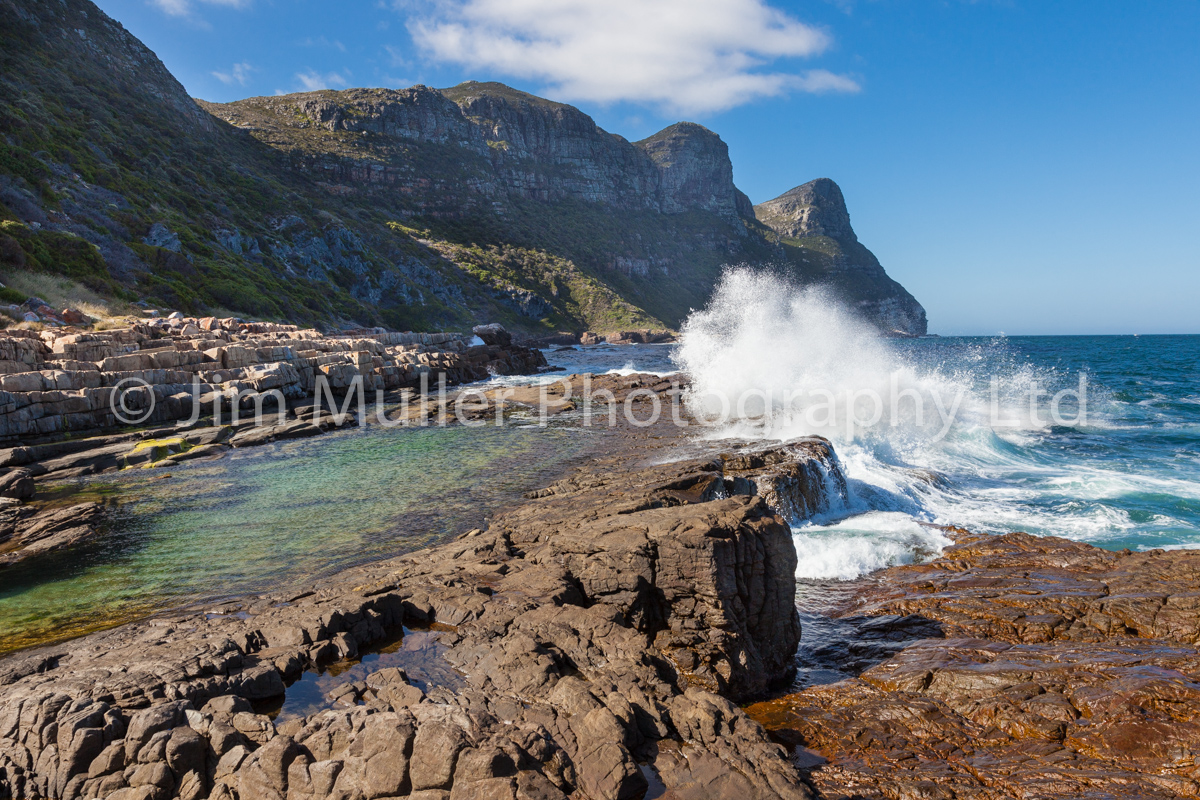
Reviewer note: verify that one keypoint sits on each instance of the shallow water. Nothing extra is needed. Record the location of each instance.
(834, 647)
(277, 515)
(268, 517)
(417, 652)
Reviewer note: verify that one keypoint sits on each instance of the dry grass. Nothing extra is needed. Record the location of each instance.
(62, 292)
(112, 323)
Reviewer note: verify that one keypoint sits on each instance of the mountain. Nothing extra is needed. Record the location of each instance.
(413, 208)
(814, 229)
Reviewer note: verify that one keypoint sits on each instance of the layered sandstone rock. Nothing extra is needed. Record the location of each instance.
(55, 383)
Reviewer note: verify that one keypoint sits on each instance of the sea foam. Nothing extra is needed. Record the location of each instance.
(771, 360)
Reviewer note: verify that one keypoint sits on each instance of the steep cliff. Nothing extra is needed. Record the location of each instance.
(694, 171)
(815, 234)
(815, 209)
(411, 207)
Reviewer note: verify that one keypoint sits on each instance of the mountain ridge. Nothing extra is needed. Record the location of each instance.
(413, 208)
(812, 220)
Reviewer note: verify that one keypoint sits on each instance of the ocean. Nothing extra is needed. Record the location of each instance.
(1123, 474)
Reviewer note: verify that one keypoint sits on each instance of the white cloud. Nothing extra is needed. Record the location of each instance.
(819, 81)
(395, 56)
(184, 8)
(238, 73)
(323, 42)
(690, 55)
(176, 8)
(311, 80)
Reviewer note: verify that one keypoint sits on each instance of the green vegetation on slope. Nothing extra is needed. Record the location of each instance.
(414, 209)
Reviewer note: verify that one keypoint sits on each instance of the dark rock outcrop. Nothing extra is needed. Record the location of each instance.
(26, 531)
(17, 484)
(493, 334)
(592, 629)
(632, 337)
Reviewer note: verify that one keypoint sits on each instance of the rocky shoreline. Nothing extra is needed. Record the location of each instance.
(594, 641)
(58, 383)
(600, 631)
(1012, 666)
(198, 387)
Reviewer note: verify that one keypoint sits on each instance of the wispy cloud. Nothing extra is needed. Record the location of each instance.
(395, 56)
(321, 41)
(176, 8)
(185, 8)
(819, 81)
(238, 73)
(688, 55)
(312, 81)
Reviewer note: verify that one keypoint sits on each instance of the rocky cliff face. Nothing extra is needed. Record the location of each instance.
(484, 144)
(694, 170)
(815, 231)
(815, 209)
(413, 208)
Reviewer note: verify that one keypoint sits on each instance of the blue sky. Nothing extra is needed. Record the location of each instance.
(1027, 166)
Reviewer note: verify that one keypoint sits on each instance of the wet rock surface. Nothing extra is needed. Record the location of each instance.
(601, 632)
(1050, 669)
(592, 643)
(26, 531)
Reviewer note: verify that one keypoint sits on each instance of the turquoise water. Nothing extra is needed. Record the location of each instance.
(285, 514)
(276, 515)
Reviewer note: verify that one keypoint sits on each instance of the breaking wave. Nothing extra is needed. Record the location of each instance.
(967, 432)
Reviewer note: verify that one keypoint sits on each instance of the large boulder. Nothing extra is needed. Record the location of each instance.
(493, 334)
(17, 483)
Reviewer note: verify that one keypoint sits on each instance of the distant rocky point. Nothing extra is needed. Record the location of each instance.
(817, 212)
(815, 209)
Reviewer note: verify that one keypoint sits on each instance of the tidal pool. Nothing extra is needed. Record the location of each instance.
(273, 516)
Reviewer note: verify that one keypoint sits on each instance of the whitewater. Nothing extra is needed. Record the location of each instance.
(1095, 439)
